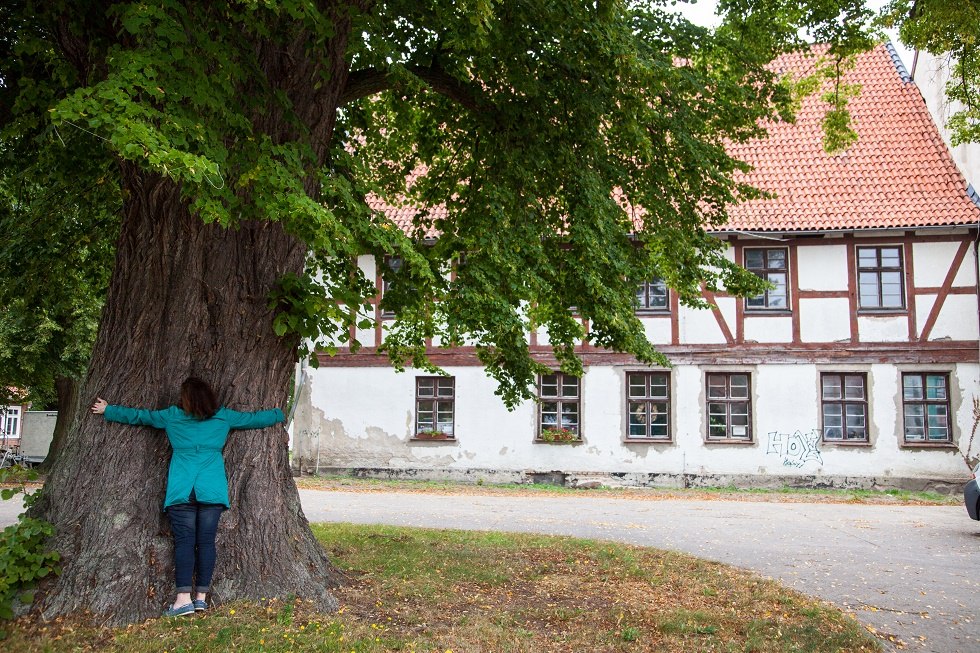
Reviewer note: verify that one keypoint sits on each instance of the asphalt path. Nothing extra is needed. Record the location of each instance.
(909, 572)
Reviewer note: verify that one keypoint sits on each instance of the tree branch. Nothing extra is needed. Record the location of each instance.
(361, 83)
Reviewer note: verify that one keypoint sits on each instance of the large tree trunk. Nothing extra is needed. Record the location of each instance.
(192, 299)
(68, 397)
(185, 299)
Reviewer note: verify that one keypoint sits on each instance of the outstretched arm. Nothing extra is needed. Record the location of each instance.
(135, 416)
(256, 420)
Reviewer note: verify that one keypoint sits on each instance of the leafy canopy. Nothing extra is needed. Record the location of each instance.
(562, 151)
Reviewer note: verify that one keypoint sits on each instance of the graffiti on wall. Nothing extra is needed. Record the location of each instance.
(795, 449)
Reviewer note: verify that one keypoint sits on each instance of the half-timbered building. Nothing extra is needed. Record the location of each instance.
(859, 368)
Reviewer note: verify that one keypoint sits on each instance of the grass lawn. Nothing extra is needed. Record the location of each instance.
(785, 494)
(468, 592)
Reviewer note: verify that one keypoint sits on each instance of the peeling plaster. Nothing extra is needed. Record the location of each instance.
(375, 447)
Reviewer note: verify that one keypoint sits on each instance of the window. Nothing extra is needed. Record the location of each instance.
(926, 406)
(728, 407)
(880, 278)
(393, 265)
(435, 407)
(652, 296)
(844, 401)
(9, 422)
(559, 407)
(648, 405)
(768, 264)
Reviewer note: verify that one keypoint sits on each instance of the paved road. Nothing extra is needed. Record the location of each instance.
(912, 572)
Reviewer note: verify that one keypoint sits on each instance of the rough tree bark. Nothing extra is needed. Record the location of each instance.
(67, 390)
(188, 298)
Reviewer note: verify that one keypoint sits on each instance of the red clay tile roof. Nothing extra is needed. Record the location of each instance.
(899, 173)
(403, 214)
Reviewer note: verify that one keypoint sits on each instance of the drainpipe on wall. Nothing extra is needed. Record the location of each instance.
(976, 261)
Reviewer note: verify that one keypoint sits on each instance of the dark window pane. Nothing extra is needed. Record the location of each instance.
(658, 413)
(739, 386)
(754, 259)
(569, 386)
(717, 386)
(549, 385)
(637, 418)
(658, 386)
(777, 259)
(637, 385)
(569, 421)
(426, 387)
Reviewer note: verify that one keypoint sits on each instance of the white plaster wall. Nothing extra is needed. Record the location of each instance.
(881, 328)
(699, 326)
(768, 329)
(657, 329)
(822, 267)
(825, 320)
(923, 306)
(967, 274)
(932, 261)
(363, 417)
(957, 320)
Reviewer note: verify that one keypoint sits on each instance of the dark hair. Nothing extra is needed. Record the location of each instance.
(197, 398)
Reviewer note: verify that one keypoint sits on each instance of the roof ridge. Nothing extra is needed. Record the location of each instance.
(971, 192)
(897, 60)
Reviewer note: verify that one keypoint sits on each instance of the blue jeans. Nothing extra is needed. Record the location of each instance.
(194, 526)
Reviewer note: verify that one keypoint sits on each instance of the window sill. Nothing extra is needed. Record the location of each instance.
(648, 441)
(846, 443)
(653, 312)
(770, 312)
(540, 441)
(728, 441)
(437, 440)
(883, 312)
(928, 445)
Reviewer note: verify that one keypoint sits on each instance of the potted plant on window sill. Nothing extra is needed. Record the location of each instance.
(558, 435)
(433, 435)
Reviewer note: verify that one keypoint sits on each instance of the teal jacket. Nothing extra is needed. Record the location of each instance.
(197, 464)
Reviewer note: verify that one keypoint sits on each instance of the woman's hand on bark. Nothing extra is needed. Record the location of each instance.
(99, 406)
